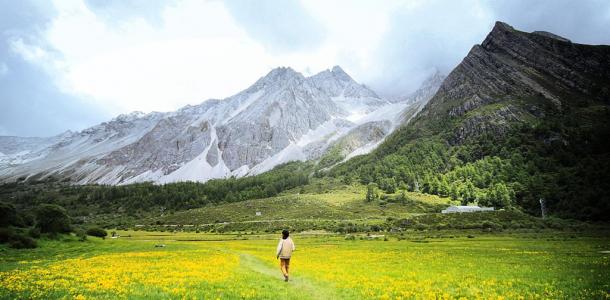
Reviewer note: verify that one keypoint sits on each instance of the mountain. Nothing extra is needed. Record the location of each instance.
(418, 99)
(523, 117)
(18, 150)
(367, 136)
(283, 116)
(524, 74)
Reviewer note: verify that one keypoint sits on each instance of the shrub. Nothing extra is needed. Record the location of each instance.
(34, 232)
(80, 234)
(98, 232)
(52, 219)
(6, 234)
(9, 216)
(375, 228)
(22, 242)
(421, 227)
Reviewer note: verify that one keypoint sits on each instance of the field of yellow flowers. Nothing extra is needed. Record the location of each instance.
(534, 266)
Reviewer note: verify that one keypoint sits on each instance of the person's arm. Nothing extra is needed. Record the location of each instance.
(293, 246)
(279, 249)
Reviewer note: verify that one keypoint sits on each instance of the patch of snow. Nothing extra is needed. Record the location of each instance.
(389, 112)
(244, 104)
(199, 169)
(291, 153)
(317, 134)
(241, 171)
(354, 107)
(146, 176)
(363, 150)
(112, 177)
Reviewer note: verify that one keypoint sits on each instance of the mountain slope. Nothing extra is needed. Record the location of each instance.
(524, 116)
(367, 136)
(284, 116)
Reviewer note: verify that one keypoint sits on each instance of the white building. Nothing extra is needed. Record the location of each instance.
(465, 209)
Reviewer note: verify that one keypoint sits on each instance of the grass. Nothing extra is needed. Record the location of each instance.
(341, 203)
(532, 266)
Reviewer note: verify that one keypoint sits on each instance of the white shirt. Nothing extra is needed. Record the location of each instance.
(285, 248)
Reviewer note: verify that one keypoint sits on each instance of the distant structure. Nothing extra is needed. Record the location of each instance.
(465, 209)
(258, 213)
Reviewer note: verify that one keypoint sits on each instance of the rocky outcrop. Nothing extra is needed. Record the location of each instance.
(522, 74)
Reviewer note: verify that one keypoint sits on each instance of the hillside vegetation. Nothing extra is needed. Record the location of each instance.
(524, 117)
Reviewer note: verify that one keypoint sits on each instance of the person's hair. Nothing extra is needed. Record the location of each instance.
(285, 234)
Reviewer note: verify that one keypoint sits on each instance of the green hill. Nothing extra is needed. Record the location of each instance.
(524, 116)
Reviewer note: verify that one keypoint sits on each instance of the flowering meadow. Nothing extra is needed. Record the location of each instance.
(543, 266)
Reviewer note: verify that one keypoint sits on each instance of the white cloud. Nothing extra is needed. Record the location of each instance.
(200, 49)
(134, 66)
(197, 53)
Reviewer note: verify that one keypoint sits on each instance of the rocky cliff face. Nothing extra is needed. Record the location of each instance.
(515, 76)
(418, 99)
(283, 116)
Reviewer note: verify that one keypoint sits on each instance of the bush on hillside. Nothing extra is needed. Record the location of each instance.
(15, 239)
(80, 234)
(52, 219)
(9, 216)
(6, 234)
(34, 232)
(22, 242)
(98, 232)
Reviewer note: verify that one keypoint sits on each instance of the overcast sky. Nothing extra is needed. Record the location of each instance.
(72, 64)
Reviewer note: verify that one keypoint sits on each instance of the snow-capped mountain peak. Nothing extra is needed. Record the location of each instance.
(283, 116)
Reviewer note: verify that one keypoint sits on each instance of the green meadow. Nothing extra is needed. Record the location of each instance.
(413, 265)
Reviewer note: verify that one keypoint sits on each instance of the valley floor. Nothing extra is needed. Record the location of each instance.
(453, 264)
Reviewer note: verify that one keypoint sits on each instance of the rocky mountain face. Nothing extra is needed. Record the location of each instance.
(283, 116)
(515, 76)
(418, 99)
(364, 138)
(529, 110)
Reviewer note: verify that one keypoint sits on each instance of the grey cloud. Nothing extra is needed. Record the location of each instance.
(30, 103)
(435, 35)
(279, 25)
(586, 21)
(438, 34)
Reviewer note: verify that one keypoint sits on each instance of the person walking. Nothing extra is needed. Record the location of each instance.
(284, 252)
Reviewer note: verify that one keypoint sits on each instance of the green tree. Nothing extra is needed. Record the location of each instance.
(8, 215)
(98, 232)
(443, 188)
(467, 192)
(371, 192)
(402, 198)
(347, 179)
(52, 218)
(388, 185)
(498, 195)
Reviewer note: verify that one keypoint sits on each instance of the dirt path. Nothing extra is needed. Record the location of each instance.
(302, 284)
